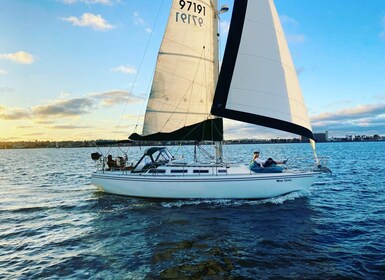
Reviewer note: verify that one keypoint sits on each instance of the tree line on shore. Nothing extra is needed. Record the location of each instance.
(92, 143)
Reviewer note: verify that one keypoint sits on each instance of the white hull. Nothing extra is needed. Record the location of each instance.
(239, 186)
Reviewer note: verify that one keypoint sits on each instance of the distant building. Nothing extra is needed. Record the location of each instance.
(318, 137)
(321, 137)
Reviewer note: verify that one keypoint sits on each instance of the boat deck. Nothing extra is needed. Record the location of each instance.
(197, 170)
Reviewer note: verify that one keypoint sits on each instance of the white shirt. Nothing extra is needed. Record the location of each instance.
(259, 161)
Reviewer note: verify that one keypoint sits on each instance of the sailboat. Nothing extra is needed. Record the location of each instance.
(189, 98)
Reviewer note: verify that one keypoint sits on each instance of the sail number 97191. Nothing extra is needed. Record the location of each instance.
(191, 6)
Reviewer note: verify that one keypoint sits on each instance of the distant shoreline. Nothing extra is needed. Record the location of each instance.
(92, 143)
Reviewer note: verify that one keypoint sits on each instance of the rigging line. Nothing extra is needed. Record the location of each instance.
(177, 150)
(220, 47)
(216, 128)
(181, 45)
(207, 95)
(203, 57)
(212, 83)
(188, 89)
(194, 128)
(140, 67)
(173, 112)
(185, 55)
(142, 109)
(181, 76)
(203, 130)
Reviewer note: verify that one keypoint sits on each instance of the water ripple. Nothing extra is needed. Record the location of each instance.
(55, 225)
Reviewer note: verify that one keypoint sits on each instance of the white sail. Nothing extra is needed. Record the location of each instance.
(264, 87)
(184, 80)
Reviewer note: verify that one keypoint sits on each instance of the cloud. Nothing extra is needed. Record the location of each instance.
(13, 114)
(103, 2)
(364, 118)
(379, 97)
(34, 134)
(288, 20)
(20, 57)
(340, 103)
(299, 38)
(116, 97)
(24, 126)
(44, 121)
(291, 30)
(96, 22)
(124, 69)
(240, 130)
(133, 117)
(7, 90)
(67, 108)
(2, 72)
(64, 108)
(138, 20)
(359, 112)
(68, 126)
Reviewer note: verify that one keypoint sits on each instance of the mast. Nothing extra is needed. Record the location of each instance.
(224, 9)
(214, 4)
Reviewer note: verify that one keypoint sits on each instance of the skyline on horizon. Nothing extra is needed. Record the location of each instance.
(82, 69)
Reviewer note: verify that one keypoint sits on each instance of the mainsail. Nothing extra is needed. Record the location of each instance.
(185, 76)
(258, 82)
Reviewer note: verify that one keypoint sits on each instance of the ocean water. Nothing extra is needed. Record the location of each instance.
(55, 225)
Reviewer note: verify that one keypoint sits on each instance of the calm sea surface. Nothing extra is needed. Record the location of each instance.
(55, 225)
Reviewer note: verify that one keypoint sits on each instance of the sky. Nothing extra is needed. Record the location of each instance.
(82, 69)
